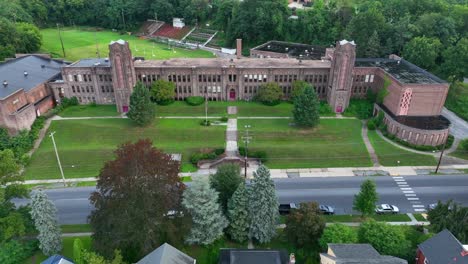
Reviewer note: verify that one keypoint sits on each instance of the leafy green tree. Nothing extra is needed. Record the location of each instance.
(163, 92)
(142, 110)
(436, 25)
(44, 214)
(451, 216)
(90, 257)
(455, 60)
(298, 88)
(8, 167)
(306, 108)
(383, 92)
(423, 51)
(238, 214)
(269, 94)
(208, 221)
(29, 38)
(373, 46)
(338, 233)
(78, 251)
(365, 200)
(143, 182)
(225, 181)
(263, 206)
(386, 239)
(305, 225)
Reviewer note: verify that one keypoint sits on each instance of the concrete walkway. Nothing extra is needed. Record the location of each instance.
(370, 148)
(458, 126)
(76, 234)
(231, 138)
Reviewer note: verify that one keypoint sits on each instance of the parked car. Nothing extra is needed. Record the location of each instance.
(386, 209)
(326, 209)
(432, 206)
(285, 209)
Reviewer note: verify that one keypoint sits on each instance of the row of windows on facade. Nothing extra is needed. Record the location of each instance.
(360, 89)
(87, 78)
(364, 78)
(86, 99)
(83, 89)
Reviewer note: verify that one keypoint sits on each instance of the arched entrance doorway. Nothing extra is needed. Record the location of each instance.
(232, 95)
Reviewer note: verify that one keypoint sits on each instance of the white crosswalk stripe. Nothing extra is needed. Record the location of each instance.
(412, 198)
(409, 194)
(419, 210)
(409, 188)
(418, 205)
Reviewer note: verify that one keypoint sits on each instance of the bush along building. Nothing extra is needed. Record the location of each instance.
(411, 109)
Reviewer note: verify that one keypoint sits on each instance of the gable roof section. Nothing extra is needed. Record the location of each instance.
(443, 248)
(166, 254)
(359, 254)
(57, 259)
(252, 256)
(39, 70)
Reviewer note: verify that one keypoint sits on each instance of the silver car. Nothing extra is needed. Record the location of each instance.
(326, 209)
(387, 209)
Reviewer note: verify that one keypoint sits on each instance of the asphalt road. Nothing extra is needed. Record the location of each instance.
(409, 193)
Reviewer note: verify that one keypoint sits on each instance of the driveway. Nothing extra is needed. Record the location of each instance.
(459, 127)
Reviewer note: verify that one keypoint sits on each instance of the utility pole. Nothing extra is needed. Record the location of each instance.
(206, 109)
(97, 46)
(246, 138)
(123, 19)
(58, 159)
(61, 41)
(440, 158)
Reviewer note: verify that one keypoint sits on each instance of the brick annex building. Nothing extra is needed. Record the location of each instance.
(412, 108)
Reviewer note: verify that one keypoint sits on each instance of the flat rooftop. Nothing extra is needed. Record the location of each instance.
(421, 122)
(404, 71)
(39, 69)
(239, 63)
(294, 50)
(91, 62)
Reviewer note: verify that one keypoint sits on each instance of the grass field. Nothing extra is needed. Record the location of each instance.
(80, 43)
(389, 155)
(89, 110)
(460, 153)
(67, 249)
(84, 145)
(334, 143)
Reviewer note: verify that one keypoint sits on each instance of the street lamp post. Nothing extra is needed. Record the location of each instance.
(246, 138)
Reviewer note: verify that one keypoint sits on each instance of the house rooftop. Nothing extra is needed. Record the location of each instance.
(166, 254)
(444, 247)
(404, 71)
(26, 73)
(253, 256)
(358, 254)
(294, 50)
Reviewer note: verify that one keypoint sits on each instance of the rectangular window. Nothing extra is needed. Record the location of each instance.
(73, 88)
(103, 89)
(371, 78)
(325, 78)
(190, 89)
(100, 77)
(92, 89)
(276, 78)
(199, 78)
(235, 77)
(230, 77)
(87, 89)
(183, 78)
(246, 78)
(204, 78)
(245, 89)
(85, 77)
(75, 78)
(89, 78)
(179, 78)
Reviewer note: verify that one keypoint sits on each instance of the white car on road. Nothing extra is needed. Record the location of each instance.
(386, 209)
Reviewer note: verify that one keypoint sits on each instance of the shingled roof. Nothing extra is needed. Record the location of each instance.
(166, 254)
(444, 248)
(358, 254)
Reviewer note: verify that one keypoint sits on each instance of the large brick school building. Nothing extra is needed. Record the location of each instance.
(412, 107)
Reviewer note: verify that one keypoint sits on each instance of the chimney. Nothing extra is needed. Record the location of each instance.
(239, 48)
(25, 74)
(292, 259)
(5, 83)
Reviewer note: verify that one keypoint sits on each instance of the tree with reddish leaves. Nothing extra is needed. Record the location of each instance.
(138, 202)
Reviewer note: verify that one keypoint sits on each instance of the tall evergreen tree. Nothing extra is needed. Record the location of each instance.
(263, 206)
(306, 108)
(208, 221)
(225, 181)
(365, 200)
(238, 214)
(142, 110)
(44, 212)
(373, 46)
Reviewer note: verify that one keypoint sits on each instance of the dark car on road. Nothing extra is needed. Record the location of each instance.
(285, 209)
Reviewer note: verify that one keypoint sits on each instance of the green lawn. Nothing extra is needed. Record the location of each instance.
(389, 155)
(181, 108)
(76, 228)
(84, 145)
(419, 217)
(460, 153)
(89, 110)
(67, 250)
(80, 43)
(334, 143)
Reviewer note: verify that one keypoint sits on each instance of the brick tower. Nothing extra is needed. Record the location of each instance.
(123, 73)
(341, 75)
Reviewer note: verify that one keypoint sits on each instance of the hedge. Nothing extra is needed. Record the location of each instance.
(259, 154)
(195, 100)
(196, 157)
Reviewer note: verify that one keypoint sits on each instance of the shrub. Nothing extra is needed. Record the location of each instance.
(259, 154)
(269, 94)
(205, 122)
(224, 119)
(325, 109)
(371, 124)
(219, 151)
(66, 102)
(195, 100)
(163, 92)
(359, 108)
(196, 157)
(464, 144)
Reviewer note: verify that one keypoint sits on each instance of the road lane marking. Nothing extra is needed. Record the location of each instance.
(399, 180)
(402, 183)
(412, 198)
(418, 205)
(397, 177)
(408, 191)
(420, 210)
(410, 194)
(409, 188)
